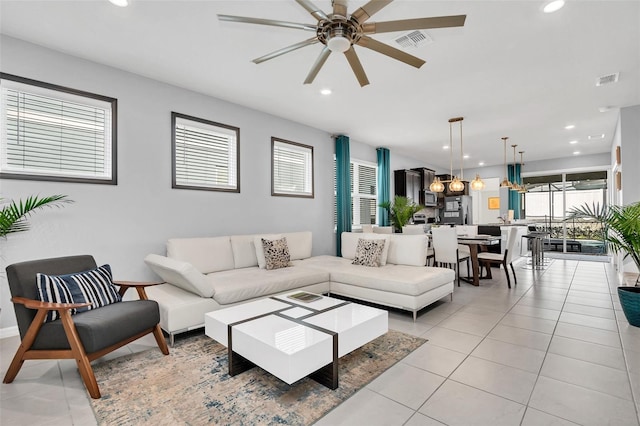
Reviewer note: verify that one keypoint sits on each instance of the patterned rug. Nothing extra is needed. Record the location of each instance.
(191, 386)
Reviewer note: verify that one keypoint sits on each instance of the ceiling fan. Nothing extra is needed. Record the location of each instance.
(339, 32)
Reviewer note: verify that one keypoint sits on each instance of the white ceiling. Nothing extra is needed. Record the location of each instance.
(510, 71)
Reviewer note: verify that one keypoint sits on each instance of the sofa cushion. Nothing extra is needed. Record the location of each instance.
(94, 286)
(300, 244)
(244, 250)
(409, 280)
(368, 252)
(408, 250)
(350, 242)
(180, 273)
(259, 249)
(276, 253)
(248, 283)
(205, 254)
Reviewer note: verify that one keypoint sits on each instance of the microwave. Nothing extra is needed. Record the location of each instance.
(430, 199)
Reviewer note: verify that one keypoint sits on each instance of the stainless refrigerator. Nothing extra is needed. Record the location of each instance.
(456, 211)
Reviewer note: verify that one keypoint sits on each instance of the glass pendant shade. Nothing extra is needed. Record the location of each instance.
(456, 185)
(436, 185)
(477, 184)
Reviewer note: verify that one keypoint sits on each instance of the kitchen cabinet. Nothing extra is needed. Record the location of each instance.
(408, 183)
(426, 177)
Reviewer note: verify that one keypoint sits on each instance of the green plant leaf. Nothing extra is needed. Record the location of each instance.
(13, 216)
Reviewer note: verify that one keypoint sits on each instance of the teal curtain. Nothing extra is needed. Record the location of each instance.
(343, 190)
(384, 183)
(514, 196)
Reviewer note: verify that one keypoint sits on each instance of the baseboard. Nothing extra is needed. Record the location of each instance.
(9, 332)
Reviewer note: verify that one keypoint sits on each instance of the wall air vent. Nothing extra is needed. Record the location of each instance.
(607, 79)
(413, 39)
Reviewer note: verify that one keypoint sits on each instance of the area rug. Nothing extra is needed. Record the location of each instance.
(191, 386)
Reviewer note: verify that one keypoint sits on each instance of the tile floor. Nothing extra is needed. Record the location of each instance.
(554, 350)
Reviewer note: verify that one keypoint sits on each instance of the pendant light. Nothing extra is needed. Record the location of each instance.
(515, 185)
(456, 185)
(505, 183)
(436, 185)
(522, 187)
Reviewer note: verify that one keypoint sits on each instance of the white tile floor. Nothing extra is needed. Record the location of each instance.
(554, 350)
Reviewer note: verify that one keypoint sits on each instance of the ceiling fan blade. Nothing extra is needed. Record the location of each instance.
(414, 24)
(287, 49)
(339, 7)
(356, 66)
(271, 22)
(392, 52)
(362, 14)
(324, 55)
(313, 10)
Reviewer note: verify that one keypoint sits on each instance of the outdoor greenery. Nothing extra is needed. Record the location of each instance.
(621, 227)
(14, 215)
(401, 211)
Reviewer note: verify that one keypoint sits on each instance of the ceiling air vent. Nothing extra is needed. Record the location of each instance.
(414, 39)
(607, 79)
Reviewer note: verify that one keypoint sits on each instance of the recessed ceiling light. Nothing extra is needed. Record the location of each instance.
(325, 92)
(121, 3)
(605, 108)
(576, 152)
(445, 146)
(570, 126)
(553, 6)
(481, 163)
(593, 137)
(573, 142)
(465, 156)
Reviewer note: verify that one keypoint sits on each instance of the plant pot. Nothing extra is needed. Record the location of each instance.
(630, 301)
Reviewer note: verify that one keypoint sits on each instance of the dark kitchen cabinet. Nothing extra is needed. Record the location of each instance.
(426, 177)
(408, 183)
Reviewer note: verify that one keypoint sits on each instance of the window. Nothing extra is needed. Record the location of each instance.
(364, 193)
(54, 133)
(205, 154)
(291, 169)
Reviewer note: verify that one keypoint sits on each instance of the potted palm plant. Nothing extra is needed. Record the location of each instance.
(621, 233)
(14, 215)
(401, 211)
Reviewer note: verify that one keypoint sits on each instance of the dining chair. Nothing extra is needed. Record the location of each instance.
(413, 229)
(445, 246)
(486, 259)
(367, 229)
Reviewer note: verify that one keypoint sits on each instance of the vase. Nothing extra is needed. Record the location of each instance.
(630, 301)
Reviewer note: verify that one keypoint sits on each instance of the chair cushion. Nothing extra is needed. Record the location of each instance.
(94, 286)
(368, 252)
(101, 328)
(276, 253)
(496, 257)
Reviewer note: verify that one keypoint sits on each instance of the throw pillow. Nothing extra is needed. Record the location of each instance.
(368, 252)
(276, 253)
(94, 286)
(257, 243)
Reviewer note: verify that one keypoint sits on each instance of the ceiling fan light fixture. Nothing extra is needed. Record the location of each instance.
(553, 6)
(339, 44)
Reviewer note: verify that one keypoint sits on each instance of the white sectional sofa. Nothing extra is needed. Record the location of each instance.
(205, 274)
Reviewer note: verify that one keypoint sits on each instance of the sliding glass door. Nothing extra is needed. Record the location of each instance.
(550, 199)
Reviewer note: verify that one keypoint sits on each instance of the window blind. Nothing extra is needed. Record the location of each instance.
(292, 169)
(52, 134)
(205, 155)
(364, 200)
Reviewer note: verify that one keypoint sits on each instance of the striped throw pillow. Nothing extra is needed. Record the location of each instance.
(94, 286)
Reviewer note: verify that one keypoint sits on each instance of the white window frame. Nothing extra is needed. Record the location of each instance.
(68, 101)
(306, 187)
(185, 174)
(355, 196)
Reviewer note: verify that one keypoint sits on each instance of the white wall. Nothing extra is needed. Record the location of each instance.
(121, 224)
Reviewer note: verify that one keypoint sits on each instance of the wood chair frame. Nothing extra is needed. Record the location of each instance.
(77, 350)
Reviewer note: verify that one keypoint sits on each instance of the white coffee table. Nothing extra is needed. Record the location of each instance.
(292, 339)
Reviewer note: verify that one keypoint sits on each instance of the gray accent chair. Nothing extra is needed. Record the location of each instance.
(85, 336)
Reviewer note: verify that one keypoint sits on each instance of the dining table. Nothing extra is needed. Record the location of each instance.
(475, 243)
